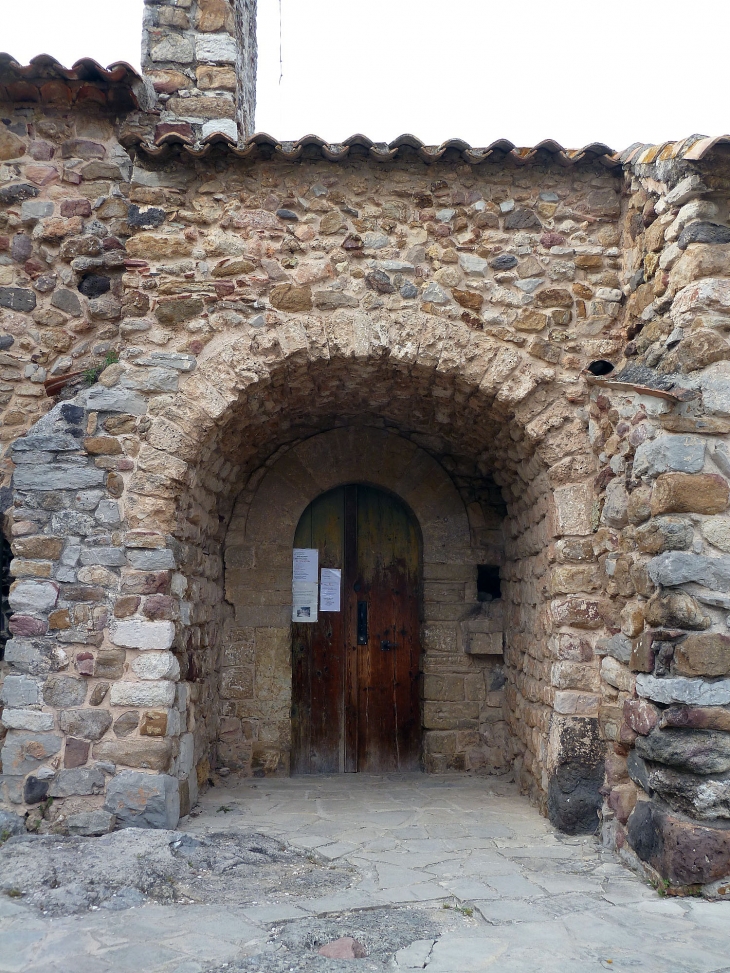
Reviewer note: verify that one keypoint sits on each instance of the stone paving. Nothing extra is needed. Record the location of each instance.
(527, 898)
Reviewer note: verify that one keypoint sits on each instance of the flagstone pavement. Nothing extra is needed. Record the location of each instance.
(528, 898)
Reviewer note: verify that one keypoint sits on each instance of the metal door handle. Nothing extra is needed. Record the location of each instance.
(362, 623)
(385, 645)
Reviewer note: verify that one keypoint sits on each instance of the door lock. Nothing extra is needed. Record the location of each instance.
(385, 645)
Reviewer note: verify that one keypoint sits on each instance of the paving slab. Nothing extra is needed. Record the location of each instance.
(468, 856)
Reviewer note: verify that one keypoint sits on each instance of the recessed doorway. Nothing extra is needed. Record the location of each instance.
(356, 672)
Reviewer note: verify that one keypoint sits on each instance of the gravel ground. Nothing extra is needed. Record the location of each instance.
(66, 876)
(293, 946)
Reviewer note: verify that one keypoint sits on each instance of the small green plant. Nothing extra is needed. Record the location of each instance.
(224, 808)
(4, 835)
(14, 893)
(91, 375)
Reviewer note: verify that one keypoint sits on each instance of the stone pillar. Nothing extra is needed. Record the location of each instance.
(201, 57)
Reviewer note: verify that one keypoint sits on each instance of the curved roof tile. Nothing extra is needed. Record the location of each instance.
(46, 81)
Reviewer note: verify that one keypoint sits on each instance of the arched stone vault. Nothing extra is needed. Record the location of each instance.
(476, 407)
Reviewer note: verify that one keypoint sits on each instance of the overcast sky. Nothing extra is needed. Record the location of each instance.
(572, 70)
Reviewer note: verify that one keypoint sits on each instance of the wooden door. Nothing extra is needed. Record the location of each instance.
(355, 673)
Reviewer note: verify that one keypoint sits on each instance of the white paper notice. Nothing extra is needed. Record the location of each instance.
(305, 565)
(304, 602)
(329, 590)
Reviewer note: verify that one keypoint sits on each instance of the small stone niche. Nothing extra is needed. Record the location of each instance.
(483, 633)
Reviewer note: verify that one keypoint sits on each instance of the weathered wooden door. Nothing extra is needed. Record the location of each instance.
(355, 672)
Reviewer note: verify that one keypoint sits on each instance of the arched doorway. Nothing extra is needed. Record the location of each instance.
(356, 668)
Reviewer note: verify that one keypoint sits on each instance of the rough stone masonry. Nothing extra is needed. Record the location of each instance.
(200, 331)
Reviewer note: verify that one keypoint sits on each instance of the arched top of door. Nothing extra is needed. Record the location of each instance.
(267, 515)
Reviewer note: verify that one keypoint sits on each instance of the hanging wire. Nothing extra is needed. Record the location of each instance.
(281, 60)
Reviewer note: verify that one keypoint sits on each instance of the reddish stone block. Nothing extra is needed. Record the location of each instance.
(75, 207)
(344, 948)
(84, 663)
(76, 753)
(682, 851)
(622, 801)
(640, 715)
(27, 625)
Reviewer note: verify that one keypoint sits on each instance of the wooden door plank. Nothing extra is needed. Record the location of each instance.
(350, 600)
(318, 658)
(388, 698)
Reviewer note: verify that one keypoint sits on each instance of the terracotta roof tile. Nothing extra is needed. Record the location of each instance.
(121, 87)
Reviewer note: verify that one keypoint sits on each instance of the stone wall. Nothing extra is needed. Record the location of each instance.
(254, 303)
(660, 432)
(201, 57)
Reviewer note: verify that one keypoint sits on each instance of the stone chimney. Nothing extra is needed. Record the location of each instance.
(201, 57)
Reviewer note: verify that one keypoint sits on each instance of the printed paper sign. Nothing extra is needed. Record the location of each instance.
(305, 565)
(329, 591)
(304, 602)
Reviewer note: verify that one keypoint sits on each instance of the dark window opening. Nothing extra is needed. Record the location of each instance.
(489, 587)
(6, 557)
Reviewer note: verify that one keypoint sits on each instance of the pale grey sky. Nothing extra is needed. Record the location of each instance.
(572, 70)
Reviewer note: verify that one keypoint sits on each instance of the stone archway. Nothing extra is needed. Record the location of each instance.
(502, 427)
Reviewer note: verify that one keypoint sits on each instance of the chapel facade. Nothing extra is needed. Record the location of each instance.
(359, 457)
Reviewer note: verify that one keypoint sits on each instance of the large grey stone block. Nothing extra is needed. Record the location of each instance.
(219, 48)
(160, 693)
(32, 596)
(144, 800)
(79, 781)
(680, 689)
(151, 560)
(113, 557)
(90, 823)
(57, 477)
(36, 657)
(680, 567)
(27, 719)
(11, 823)
(20, 690)
(89, 724)
(60, 691)
(697, 751)
(681, 454)
(134, 633)
(102, 399)
(156, 665)
(24, 752)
